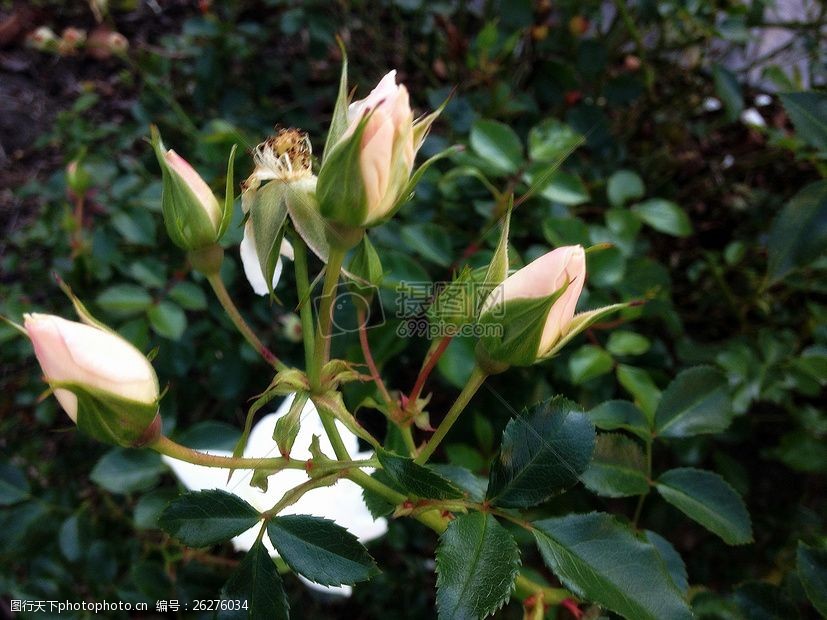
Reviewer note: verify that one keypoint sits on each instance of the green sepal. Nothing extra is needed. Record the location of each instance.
(521, 323)
(340, 189)
(407, 191)
(308, 223)
(422, 125)
(287, 426)
(187, 224)
(338, 123)
(81, 310)
(229, 196)
(366, 270)
(497, 270)
(458, 303)
(110, 418)
(268, 212)
(331, 403)
(580, 323)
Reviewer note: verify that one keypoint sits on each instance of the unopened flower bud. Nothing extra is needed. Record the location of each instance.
(105, 385)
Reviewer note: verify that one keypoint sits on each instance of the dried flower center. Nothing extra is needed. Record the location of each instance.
(285, 156)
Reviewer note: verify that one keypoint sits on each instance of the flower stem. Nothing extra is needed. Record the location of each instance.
(321, 350)
(165, 445)
(241, 325)
(476, 379)
(431, 358)
(305, 309)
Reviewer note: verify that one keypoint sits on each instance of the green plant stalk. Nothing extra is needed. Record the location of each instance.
(165, 445)
(476, 379)
(321, 348)
(305, 309)
(241, 325)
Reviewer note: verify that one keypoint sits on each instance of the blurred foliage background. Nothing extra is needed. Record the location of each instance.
(701, 180)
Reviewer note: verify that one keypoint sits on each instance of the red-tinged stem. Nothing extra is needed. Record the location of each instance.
(572, 607)
(366, 353)
(430, 363)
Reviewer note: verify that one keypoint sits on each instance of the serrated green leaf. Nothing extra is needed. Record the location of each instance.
(618, 467)
(320, 550)
(620, 414)
(623, 342)
(417, 480)
(708, 499)
(204, 518)
(256, 581)
(697, 401)
(671, 559)
(551, 140)
(543, 452)
(623, 186)
(14, 487)
(477, 561)
(811, 564)
(497, 144)
(600, 560)
(664, 216)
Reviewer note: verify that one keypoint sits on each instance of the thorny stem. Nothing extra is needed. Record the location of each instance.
(241, 325)
(476, 379)
(165, 445)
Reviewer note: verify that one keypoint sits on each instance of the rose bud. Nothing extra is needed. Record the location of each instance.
(194, 218)
(105, 385)
(366, 171)
(43, 39)
(533, 308)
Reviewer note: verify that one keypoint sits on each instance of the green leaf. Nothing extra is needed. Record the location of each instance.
(708, 499)
(543, 452)
(415, 479)
(589, 362)
(808, 112)
(476, 562)
(622, 342)
(124, 299)
(551, 140)
(799, 233)
(618, 468)
(624, 186)
(204, 518)
(671, 559)
(640, 385)
(811, 564)
(728, 89)
(14, 487)
(257, 586)
(430, 242)
(126, 471)
(620, 414)
(696, 402)
(600, 560)
(189, 296)
(498, 145)
(664, 216)
(563, 187)
(320, 550)
(167, 319)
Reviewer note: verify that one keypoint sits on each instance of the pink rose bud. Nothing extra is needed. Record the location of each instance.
(534, 307)
(192, 214)
(365, 174)
(105, 385)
